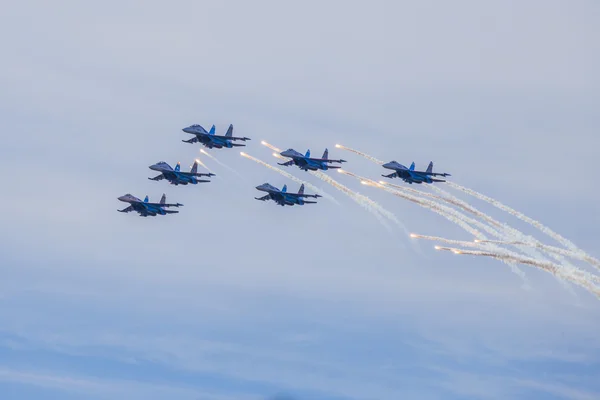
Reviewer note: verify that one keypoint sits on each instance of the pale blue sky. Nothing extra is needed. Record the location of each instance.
(238, 299)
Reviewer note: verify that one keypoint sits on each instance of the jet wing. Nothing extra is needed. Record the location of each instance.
(326, 160)
(231, 137)
(425, 173)
(393, 175)
(196, 174)
(125, 210)
(287, 163)
(264, 198)
(164, 205)
(157, 178)
(192, 140)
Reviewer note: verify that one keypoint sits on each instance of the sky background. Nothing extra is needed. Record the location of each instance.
(238, 299)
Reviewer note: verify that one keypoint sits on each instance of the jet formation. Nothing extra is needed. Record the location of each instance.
(281, 196)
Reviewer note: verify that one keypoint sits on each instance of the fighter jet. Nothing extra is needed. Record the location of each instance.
(282, 197)
(177, 177)
(144, 208)
(305, 162)
(410, 175)
(210, 140)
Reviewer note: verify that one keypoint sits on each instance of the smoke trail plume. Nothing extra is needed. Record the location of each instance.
(449, 213)
(476, 244)
(578, 277)
(215, 159)
(290, 176)
(565, 242)
(278, 150)
(550, 249)
(360, 153)
(202, 164)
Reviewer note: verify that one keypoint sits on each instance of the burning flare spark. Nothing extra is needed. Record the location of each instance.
(278, 150)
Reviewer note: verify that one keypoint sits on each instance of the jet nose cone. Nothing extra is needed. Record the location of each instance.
(121, 198)
(387, 165)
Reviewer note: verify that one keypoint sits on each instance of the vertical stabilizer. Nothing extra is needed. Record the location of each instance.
(229, 131)
(163, 199)
(412, 166)
(178, 167)
(301, 191)
(284, 189)
(194, 167)
(307, 155)
(212, 130)
(430, 167)
(146, 199)
(326, 154)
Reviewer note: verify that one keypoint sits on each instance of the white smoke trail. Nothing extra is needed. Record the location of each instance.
(278, 150)
(360, 153)
(578, 277)
(290, 176)
(362, 200)
(565, 242)
(202, 164)
(215, 159)
(551, 249)
(467, 207)
(477, 244)
(512, 232)
(449, 213)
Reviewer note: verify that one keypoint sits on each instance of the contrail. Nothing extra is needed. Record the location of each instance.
(290, 176)
(215, 159)
(360, 153)
(578, 277)
(278, 150)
